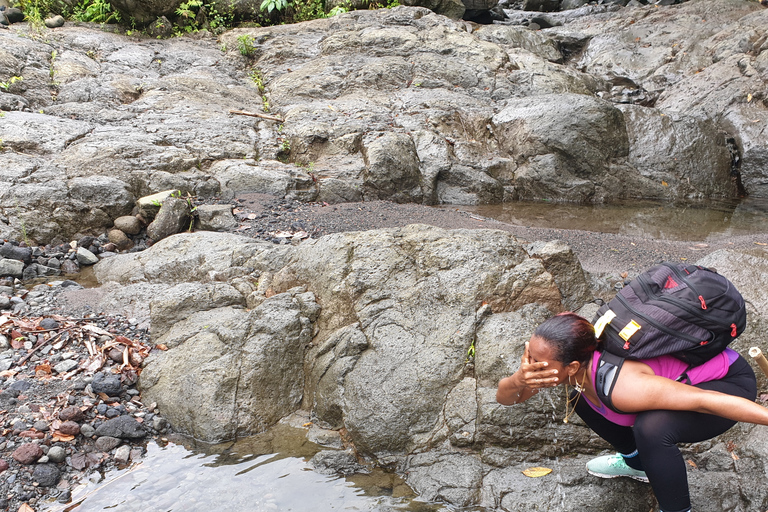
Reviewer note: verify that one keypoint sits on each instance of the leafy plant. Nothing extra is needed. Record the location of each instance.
(245, 45)
(271, 5)
(51, 69)
(257, 78)
(6, 86)
(96, 11)
(305, 10)
(336, 11)
(189, 9)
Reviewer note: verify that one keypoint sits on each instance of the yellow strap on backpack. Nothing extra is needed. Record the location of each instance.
(603, 321)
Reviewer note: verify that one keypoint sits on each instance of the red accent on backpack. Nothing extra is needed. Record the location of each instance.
(670, 283)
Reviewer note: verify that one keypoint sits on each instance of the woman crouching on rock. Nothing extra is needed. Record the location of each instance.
(657, 412)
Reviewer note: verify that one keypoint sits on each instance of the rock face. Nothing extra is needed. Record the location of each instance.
(400, 104)
(399, 336)
(353, 332)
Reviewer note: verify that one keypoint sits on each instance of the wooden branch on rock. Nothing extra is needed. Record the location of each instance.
(256, 114)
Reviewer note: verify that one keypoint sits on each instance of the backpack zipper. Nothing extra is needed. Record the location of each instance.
(683, 277)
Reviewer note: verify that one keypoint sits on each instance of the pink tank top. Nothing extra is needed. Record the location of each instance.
(671, 368)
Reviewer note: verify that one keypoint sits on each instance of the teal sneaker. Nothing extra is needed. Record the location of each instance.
(613, 466)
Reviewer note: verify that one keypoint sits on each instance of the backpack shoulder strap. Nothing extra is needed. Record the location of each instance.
(608, 367)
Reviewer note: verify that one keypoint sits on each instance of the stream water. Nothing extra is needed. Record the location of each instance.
(693, 221)
(263, 473)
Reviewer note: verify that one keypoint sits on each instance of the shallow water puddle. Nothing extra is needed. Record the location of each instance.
(261, 474)
(705, 220)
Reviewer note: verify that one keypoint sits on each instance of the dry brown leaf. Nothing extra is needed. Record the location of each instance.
(123, 340)
(160, 346)
(25, 508)
(32, 434)
(692, 464)
(17, 339)
(8, 373)
(44, 368)
(760, 243)
(96, 330)
(536, 472)
(64, 438)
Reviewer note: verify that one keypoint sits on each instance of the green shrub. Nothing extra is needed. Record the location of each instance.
(95, 11)
(245, 45)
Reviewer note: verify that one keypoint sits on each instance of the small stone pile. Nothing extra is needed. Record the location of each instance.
(18, 261)
(69, 409)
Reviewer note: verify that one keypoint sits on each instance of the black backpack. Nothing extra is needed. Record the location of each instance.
(687, 311)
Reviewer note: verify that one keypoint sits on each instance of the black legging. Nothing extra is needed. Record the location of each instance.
(656, 433)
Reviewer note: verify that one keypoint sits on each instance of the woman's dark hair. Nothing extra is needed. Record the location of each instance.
(571, 336)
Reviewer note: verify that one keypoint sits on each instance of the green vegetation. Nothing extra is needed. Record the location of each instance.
(245, 45)
(270, 5)
(96, 11)
(195, 15)
(7, 86)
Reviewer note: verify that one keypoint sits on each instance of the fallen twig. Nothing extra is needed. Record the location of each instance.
(256, 114)
(39, 346)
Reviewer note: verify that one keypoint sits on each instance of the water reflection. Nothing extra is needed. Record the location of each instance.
(261, 474)
(707, 221)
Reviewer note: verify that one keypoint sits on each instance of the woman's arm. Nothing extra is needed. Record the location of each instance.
(526, 381)
(638, 389)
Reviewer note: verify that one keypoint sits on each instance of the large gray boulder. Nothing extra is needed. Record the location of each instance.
(400, 310)
(236, 372)
(566, 146)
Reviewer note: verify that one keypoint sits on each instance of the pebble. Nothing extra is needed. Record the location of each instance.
(107, 443)
(123, 454)
(28, 453)
(106, 383)
(87, 430)
(57, 454)
(65, 366)
(47, 475)
(124, 427)
(69, 428)
(49, 323)
(71, 413)
(86, 257)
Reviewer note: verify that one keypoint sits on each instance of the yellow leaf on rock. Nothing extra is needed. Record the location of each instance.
(664, 183)
(749, 98)
(536, 472)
